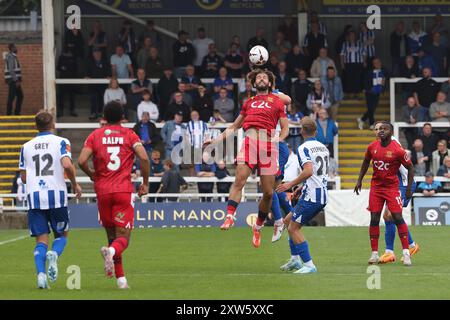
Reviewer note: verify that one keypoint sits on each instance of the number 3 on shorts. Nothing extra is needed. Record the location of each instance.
(114, 164)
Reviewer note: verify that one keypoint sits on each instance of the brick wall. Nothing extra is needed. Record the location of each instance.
(31, 60)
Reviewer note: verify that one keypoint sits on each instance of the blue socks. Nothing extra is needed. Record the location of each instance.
(59, 245)
(292, 246)
(276, 210)
(302, 250)
(389, 235)
(284, 203)
(40, 256)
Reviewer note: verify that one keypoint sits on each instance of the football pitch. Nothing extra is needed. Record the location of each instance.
(207, 263)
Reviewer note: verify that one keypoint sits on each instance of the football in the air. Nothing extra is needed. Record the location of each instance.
(258, 55)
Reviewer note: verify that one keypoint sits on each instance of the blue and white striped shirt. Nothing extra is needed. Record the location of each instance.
(197, 131)
(353, 52)
(315, 187)
(363, 37)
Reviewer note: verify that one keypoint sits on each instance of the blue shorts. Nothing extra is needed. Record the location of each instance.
(305, 211)
(283, 156)
(41, 221)
(403, 193)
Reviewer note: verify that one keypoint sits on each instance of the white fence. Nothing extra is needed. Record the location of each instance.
(399, 125)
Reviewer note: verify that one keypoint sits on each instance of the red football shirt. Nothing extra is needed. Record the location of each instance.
(263, 112)
(386, 163)
(113, 155)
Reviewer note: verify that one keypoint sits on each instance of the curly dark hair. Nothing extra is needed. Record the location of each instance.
(252, 76)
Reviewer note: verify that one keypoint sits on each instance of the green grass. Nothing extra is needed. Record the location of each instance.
(211, 264)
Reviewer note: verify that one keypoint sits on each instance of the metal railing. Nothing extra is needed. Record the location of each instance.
(399, 125)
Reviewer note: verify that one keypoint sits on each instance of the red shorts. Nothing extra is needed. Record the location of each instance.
(378, 197)
(116, 209)
(259, 154)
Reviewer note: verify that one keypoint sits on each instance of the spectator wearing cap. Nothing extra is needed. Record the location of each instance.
(203, 103)
(191, 81)
(176, 106)
(429, 187)
(183, 53)
(173, 132)
(148, 106)
(225, 105)
(154, 66)
(167, 85)
(439, 155)
(201, 45)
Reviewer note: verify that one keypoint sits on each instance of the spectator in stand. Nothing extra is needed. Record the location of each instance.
(314, 18)
(215, 119)
(201, 45)
(295, 138)
(97, 69)
(296, 61)
(289, 29)
(98, 41)
(167, 85)
(151, 33)
(343, 37)
(247, 94)
(440, 112)
(13, 79)
(191, 81)
(283, 80)
(419, 159)
(313, 42)
(74, 41)
(223, 81)
(281, 46)
(445, 87)
(333, 85)
(128, 40)
(272, 65)
(240, 50)
(416, 39)
(426, 89)
(177, 106)
(326, 130)
(438, 26)
(410, 70)
(147, 132)
(444, 170)
(353, 61)
(205, 170)
(171, 181)
(317, 100)
(187, 99)
(183, 53)
(374, 84)
(225, 105)
(438, 53)
(203, 104)
(258, 40)
(438, 156)
(196, 131)
(156, 170)
(211, 62)
(429, 187)
(234, 61)
(412, 113)
(426, 61)
(67, 68)
(154, 66)
(429, 139)
(144, 53)
(367, 37)
(122, 67)
(399, 45)
(114, 93)
(172, 133)
(222, 173)
(292, 168)
(148, 106)
(300, 91)
(321, 64)
(138, 86)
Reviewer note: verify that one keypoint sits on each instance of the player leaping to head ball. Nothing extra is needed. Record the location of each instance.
(387, 156)
(113, 149)
(259, 118)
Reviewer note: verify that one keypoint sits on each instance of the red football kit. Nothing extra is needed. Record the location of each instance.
(262, 112)
(385, 182)
(113, 157)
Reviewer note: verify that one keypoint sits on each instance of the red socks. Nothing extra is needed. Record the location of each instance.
(119, 245)
(118, 267)
(374, 233)
(403, 234)
(231, 207)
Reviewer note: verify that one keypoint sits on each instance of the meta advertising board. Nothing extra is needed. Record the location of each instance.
(186, 7)
(167, 215)
(433, 211)
(387, 6)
